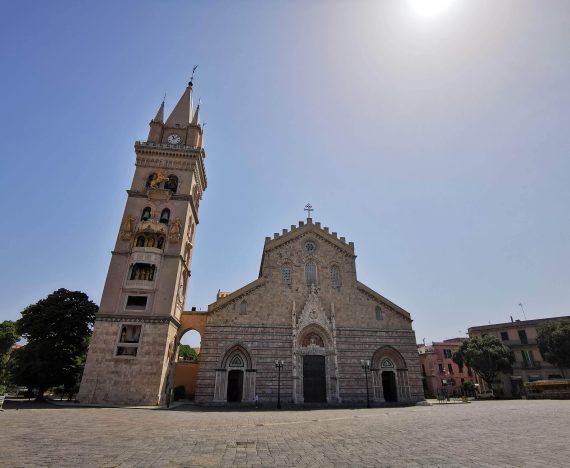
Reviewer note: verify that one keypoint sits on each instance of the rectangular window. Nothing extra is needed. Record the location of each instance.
(447, 353)
(126, 351)
(136, 302)
(528, 359)
(441, 371)
(505, 336)
(450, 368)
(130, 334)
(523, 337)
(129, 338)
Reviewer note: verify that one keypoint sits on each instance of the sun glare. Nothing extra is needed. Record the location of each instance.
(430, 7)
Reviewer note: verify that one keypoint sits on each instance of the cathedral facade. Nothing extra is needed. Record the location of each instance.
(333, 335)
(306, 331)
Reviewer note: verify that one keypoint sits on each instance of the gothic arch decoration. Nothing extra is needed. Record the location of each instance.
(314, 343)
(390, 382)
(314, 335)
(235, 376)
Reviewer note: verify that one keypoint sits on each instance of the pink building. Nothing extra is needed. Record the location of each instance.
(439, 372)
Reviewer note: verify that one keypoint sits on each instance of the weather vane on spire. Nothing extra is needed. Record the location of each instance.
(192, 76)
(308, 208)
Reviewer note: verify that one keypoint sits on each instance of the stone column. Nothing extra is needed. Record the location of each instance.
(221, 385)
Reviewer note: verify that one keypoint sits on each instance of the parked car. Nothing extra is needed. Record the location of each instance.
(488, 395)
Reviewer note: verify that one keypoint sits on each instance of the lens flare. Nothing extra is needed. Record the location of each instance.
(430, 7)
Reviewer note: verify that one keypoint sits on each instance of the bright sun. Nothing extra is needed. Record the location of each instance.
(430, 7)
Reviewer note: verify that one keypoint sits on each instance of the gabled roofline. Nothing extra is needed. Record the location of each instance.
(362, 287)
(245, 290)
(301, 229)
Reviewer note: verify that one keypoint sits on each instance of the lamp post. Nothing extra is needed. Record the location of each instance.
(279, 365)
(366, 366)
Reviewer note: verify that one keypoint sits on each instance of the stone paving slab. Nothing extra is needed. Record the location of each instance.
(480, 434)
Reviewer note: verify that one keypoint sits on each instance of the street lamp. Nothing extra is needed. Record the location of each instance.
(279, 365)
(366, 366)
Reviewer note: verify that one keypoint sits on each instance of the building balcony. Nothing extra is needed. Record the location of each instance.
(139, 285)
(153, 250)
(517, 343)
(527, 365)
(149, 144)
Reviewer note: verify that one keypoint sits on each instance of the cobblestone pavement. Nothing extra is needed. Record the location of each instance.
(480, 434)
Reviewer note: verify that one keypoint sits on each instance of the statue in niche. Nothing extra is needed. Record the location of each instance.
(158, 179)
(175, 230)
(126, 227)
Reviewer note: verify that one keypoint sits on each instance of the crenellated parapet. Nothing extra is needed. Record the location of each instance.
(303, 228)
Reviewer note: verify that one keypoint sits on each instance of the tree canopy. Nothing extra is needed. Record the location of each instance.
(187, 352)
(57, 331)
(486, 355)
(553, 341)
(8, 338)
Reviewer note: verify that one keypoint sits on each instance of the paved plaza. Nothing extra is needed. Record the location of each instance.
(481, 434)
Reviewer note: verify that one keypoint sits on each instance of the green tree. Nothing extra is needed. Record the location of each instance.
(486, 355)
(554, 343)
(8, 338)
(57, 331)
(187, 352)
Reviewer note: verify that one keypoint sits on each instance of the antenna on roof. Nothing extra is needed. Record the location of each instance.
(521, 306)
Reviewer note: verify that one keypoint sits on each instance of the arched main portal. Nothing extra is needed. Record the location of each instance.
(235, 376)
(389, 376)
(315, 366)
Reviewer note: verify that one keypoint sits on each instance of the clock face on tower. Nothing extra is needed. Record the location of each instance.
(174, 139)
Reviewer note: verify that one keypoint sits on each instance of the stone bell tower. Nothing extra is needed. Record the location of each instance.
(135, 330)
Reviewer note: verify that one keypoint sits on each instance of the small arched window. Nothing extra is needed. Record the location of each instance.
(172, 183)
(286, 275)
(243, 308)
(146, 214)
(149, 179)
(140, 241)
(310, 274)
(160, 242)
(378, 311)
(165, 216)
(335, 277)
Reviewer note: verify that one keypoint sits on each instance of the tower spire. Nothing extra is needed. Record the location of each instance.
(196, 117)
(160, 114)
(182, 113)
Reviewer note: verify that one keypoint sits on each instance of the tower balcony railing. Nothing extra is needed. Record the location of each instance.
(149, 144)
(140, 285)
(152, 250)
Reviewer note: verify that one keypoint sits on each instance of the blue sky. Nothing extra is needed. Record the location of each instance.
(440, 145)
